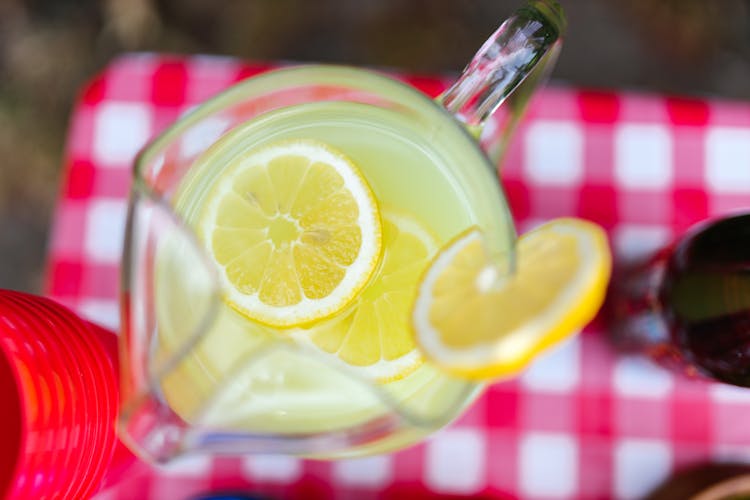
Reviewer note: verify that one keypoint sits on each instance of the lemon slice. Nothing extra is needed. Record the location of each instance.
(374, 336)
(477, 324)
(296, 230)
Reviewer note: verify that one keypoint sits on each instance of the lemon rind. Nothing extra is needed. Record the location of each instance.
(356, 276)
(514, 350)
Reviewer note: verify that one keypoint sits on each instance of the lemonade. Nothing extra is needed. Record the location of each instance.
(341, 370)
(320, 260)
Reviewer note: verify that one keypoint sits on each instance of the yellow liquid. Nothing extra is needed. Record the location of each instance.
(244, 377)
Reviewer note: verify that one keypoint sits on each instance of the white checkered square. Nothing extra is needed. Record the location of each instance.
(273, 468)
(556, 371)
(188, 466)
(643, 156)
(728, 159)
(455, 461)
(639, 241)
(554, 153)
(725, 393)
(731, 453)
(102, 312)
(549, 465)
(199, 137)
(640, 466)
(368, 472)
(637, 376)
(121, 129)
(105, 230)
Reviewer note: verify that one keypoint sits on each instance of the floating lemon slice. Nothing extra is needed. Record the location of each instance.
(296, 230)
(470, 320)
(374, 335)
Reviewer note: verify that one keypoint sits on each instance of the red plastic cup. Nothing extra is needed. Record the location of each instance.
(38, 408)
(58, 383)
(68, 450)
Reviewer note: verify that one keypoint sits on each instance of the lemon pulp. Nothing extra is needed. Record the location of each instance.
(374, 335)
(478, 323)
(295, 229)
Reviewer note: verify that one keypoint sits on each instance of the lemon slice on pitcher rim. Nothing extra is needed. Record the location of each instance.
(373, 337)
(473, 322)
(295, 230)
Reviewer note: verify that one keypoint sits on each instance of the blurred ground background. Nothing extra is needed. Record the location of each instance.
(49, 48)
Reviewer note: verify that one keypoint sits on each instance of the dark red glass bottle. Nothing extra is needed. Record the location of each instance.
(705, 295)
(689, 306)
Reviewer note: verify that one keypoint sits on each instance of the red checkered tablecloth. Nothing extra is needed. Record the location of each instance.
(582, 422)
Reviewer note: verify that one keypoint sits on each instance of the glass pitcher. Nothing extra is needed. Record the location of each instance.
(209, 363)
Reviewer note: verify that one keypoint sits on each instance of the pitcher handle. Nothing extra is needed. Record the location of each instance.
(522, 50)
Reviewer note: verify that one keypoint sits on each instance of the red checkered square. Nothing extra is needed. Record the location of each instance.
(95, 91)
(502, 406)
(690, 206)
(169, 83)
(599, 107)
(430, 85)
(65, 278)
(595, 411)
(689, 112)
(519, 199)
(690, 417)
(82, 175)
(599, 204)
